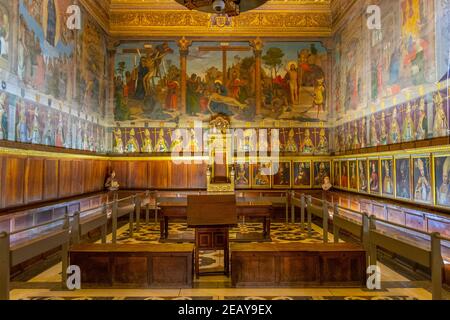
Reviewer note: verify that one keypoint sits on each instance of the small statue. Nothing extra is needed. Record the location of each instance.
(111, 183)
(326, 184)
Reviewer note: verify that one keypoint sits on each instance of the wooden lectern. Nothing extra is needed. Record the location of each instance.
(212, 216)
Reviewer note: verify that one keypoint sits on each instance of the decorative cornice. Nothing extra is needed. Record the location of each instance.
(255, 23)
(150, 18)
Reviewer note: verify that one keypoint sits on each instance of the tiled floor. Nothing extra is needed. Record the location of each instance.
(47, 285)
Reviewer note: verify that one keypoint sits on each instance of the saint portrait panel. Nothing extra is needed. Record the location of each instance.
(261, 173)
(344, 174)
(242, 175)
(353, 175)
(321, 171)
(336, 174)
(441, 174)
(362, 176)
(387, 173)
(374, 176)
(302, 175)
(282, 175)
(422, 179)
(402, 178)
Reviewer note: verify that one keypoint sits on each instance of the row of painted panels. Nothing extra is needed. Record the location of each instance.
(284, 174)
(421, 178)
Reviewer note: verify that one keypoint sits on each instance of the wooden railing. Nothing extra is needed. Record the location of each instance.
(365, 229)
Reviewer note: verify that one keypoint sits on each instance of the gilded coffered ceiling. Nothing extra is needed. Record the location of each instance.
(135, 19)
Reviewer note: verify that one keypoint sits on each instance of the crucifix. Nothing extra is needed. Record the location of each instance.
(224, 48)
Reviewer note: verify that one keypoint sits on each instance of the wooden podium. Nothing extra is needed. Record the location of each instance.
(212, 216)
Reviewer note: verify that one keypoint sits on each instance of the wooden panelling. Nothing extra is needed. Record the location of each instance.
(13, 179)
(138, 175)
(121, 169)
(89, 178)
(159, 174)
(197, 176)
(51, 181)
(34, 180)
(77, 178)
(178, 174)
(1, 181)
(65, 178)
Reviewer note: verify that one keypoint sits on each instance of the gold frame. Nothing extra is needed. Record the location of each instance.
(358, 160)
(349, 176)
(369, 173)
(392, 177)
(253, 166)
(339, 172)
(395, 178)
(313, 186)
(340, 176)
(239, 187)
(275, 186)
(433, 173)
(413, 191)
(294, 186)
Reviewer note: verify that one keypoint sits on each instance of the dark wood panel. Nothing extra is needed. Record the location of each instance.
(159, 266)
(121, 169)
(89, 178)
(13, 181)
(51, 181)
(159, 174)
(77, 178)
(197, 175)
(100, 168)
(34, 180)
(65, 178)
(1, 181)
(295, 265)
(138, 175)
(178, 174)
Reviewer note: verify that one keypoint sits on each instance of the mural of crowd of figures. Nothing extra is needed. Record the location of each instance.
(52, 71)
(221, 79)
(419, 119)
(285, 174)
(410, 52)
(403, 177)
(29, 122)
(168, 140)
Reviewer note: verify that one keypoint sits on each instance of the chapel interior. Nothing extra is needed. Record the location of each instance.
(224, 150)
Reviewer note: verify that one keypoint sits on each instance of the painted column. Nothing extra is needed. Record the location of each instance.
(257, 46)
(184, 45)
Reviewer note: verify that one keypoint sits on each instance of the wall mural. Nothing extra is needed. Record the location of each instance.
(419, 119)
(221, 79)
(56, 90)
(307, 141)
(373, 69)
